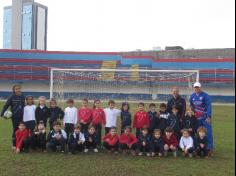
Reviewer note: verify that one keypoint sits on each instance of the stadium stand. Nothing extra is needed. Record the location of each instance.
(29, 67)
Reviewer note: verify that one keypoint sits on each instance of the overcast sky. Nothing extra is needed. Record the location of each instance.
(125, 25)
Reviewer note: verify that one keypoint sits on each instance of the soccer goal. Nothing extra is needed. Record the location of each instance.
(130, 85)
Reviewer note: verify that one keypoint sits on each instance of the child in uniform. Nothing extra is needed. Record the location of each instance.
(111, 141)
(42, 112)
(76, 140)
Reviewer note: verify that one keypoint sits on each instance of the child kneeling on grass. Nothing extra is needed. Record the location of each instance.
(76, 141)
(56, 138)
(128, 141)
(157, 145)
(22, 138)
(38, 138)
(201, 143)
(144, 141)
(91, 140)
(186, 144)
(111, 141)
(170, 142)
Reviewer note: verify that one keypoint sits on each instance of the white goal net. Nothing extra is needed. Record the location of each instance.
(120, 84)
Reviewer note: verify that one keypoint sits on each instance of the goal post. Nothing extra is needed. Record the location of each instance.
(120, 84)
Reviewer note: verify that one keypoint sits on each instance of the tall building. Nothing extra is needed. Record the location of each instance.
(25, 25)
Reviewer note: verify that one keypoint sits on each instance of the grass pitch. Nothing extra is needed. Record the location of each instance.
(103, 164)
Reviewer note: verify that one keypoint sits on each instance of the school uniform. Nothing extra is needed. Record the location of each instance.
(128, 139)
(22, 140)
(98, 119)
(17, 104)
(94, 141)
(157, 145)
(55, 114)
(29, 117)
(70, 119)
(42, 113)
(199, 150)
(125, 120)
(73, 142)
(174, 123)
(186, 143)
(163, 121)
(38, 140)
(111, 142)
(153, 117)
(147, 140)
(111, 118)
(85, 114)
(141, 119)
(53, 143)
(190, 122)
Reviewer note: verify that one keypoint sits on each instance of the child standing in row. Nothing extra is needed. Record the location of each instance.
(174, 122)
(189, 122)
(56, 113)
(125, 116)
(29, 113)
(98, 119)
(42, 112)
(141, 119)
(71, 117)
(163, 117)
(84, 116)
(111, 116)
(153, 117)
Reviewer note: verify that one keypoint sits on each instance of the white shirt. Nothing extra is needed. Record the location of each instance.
(29, 113)
(71, 115)
(186, 142)
(111, 116)
(81, 136)
(63, 133)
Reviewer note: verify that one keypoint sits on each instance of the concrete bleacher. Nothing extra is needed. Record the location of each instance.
(29, 67)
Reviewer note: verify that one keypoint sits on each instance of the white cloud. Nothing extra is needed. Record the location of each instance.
(123, 25)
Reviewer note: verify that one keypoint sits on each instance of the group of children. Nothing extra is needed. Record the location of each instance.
(157, 133)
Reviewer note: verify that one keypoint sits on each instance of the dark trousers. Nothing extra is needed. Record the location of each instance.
(30, 125)
(142, 148)
(107, 130)
(74, 147)
(202, 151)
(38, 141)
(98, 129)
(90, 145)
(125, 147)
(25, 145)
(84, 127)
(15, 122)
(138, 132)
(111, 147)
(56, 144)
(190, 150)
(69, 129)
(157, 148)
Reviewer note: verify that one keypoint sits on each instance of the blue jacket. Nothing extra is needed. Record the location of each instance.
(201, 103)
(143, 138)
(55, 113)
(17, 104)
(180, 103)
(94, 137)
(153, 120)
(125, 119)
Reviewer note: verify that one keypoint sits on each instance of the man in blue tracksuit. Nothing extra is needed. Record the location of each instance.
(200, 103)
(17, 103)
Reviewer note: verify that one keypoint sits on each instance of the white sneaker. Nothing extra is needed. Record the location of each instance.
(140, 154)
(95, 150)
(85, 150)
(148, 154)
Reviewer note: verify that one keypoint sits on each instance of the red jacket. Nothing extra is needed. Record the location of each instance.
(98, 117)
(141, 119)
(111, 140)
(85, 114)
(21, 136)
(128, 139)
(172, 141)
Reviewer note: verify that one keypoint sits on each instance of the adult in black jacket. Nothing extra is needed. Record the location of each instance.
(178, 101)
(17, 103)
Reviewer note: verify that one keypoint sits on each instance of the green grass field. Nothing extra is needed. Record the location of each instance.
(103, 164)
